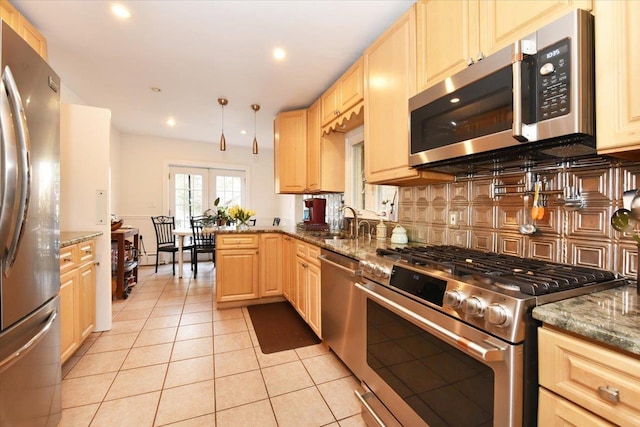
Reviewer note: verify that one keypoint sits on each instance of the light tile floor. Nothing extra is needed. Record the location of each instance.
(173, 359)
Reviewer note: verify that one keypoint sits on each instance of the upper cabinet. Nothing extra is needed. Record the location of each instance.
(344, 99)
(306, 161)
(389, 82)
(453, 34)
(617, 78)
(24, 28)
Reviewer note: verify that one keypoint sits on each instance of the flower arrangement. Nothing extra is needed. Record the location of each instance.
(241, 215)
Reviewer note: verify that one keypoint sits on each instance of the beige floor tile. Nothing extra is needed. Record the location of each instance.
(302, 408)
(354, 421)
(113, 342)
(285, 378)
(232, 342)
(135, 304)
(85, 390)
(148, 355)
(156, 336)
(257, 414)
(99, 363)
(197, 307)
(189, 401)
(198, 298)
(170, 301)
(125, 326)
(80, 416)
(192, 348)
(312, 351)
(239, 389)
(193, 318)
(272, 359)
(166, 310)
(69, 364)
(221, 327)
(340, 397)
(148, 294)
(162, 322)
(208, 420)
(326, 367)
(137, 381)
(235, 362)
(227, 314)
(254, 338)
(86, 345)
(197, 330)
(189, 371)
(133, 314)
(133, 411)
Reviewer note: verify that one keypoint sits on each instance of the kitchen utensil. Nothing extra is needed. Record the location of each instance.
(635, 207)
(399, 235)
(527, 227)
(541, 207)
(622, 221)
(535, 208)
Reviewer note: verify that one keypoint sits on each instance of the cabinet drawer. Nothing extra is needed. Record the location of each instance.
(236, 241)
(600, 380)
(86, 251)
(556, 411)
(68, 258)
(313, 252)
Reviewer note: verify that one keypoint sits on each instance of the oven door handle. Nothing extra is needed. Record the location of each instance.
(492, 354)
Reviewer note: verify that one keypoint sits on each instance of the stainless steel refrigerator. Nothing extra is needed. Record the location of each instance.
(30, 371)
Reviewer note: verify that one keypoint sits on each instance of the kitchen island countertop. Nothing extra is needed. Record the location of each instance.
(611, 317)
(68, 238)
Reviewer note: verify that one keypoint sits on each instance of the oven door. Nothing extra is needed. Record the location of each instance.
(427, 368)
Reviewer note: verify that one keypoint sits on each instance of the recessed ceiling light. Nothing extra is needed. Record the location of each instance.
(155, 89)
(454, 100)
(244, 132)
(120, 11)
(171, 122)
(279, 53)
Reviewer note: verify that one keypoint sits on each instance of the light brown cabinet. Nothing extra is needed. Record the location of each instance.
(237, 267)
(343, 99)
(453, 34)
(390, 80)
(77, 295)
(617, 78)
(23, 27)
(306, 287)
(271, 264)
(586, 377)
(290, 150)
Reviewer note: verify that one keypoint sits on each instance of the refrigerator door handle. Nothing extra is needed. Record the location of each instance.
(8, 170)
(29, 344)
(24, 165)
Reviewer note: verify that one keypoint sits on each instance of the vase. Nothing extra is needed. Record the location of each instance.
(242, 226)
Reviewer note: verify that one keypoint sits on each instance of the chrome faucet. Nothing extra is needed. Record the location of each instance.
(354, 223)
(368, 224)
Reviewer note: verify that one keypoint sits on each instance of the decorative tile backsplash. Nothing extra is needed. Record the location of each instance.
(486, 212)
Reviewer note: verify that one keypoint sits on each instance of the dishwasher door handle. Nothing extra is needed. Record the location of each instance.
(324, 258)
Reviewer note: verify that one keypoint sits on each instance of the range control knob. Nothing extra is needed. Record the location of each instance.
(382, 272)
(498, 315)
(453, 299)
(367, 266)
(474, 306)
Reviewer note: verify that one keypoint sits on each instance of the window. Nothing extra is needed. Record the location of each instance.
(193, 190)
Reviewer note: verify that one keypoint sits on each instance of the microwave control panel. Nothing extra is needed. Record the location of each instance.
(554, 80)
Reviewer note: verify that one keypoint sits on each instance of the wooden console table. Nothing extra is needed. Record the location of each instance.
(125, 264)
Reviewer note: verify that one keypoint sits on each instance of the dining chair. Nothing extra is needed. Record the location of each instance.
(166, 241)
(203, 243)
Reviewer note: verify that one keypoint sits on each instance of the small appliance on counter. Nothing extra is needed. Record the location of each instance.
(314, 215)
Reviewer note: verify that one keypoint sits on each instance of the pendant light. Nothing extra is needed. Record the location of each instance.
(255, 108)
(223, 141)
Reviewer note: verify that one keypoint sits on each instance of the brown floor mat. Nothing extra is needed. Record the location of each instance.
(279, 327)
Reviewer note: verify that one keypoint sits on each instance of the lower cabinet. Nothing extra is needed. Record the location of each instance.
(306, 286)
(585, 384)
(77, 295)
(237, 267)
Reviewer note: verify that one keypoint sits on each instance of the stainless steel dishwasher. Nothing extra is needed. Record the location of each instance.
(342, 309)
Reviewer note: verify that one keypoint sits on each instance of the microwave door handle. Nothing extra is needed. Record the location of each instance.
(23, 163)
(8, 171)
(518, 56)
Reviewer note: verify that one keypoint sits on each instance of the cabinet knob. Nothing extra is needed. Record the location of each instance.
(608, 393)
(470, 62)
(480, 56)
(66, 259)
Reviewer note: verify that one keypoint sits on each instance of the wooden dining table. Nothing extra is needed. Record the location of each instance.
(180, 233)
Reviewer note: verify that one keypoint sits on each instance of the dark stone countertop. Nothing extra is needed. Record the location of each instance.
(68, 238)
(611, 317)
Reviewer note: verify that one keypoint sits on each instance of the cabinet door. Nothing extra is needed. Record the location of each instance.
(290, 141)
(556, 411)
(314, 131)
(86, 299)
(351, 87)
(270, 265)
(69, 336)
(301, 286)
(503, 22)
(288, 266)
(32, 36)
(9, 14)
(237, 274)
(617, 78)
(447, 38)
(330, 102)
(313, 312)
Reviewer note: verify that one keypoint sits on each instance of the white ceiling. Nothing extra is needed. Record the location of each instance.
(199, 51)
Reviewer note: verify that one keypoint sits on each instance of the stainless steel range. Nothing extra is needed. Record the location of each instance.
(450, 339)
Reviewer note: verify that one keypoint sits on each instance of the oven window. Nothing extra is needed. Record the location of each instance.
(444, 386)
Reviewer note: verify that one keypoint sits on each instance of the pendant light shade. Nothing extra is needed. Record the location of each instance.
(223, 141)
(255, 108)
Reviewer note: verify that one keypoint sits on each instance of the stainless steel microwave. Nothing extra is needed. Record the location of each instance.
(539, 89)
